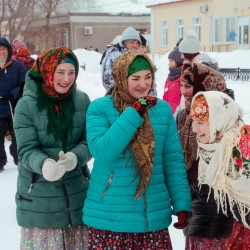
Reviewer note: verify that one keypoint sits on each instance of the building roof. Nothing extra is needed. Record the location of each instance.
(114, 7)
(154, 3)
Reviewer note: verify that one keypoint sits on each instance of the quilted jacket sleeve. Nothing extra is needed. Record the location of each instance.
(81, 150)
(106, 141)
(29, 151)
(175, 169)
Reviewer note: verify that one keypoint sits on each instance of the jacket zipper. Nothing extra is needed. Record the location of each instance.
(109, 183)
(33, 181)
(67, 205)
(20, 197)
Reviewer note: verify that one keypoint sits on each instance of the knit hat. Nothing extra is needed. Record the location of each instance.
(202, 77)
(18, 44)
(176, 56)
(139, 63)
(190, 44)
(128, 34)
(143, 40)
(200, 109)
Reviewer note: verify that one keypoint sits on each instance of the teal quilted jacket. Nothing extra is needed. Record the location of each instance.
(110, 203)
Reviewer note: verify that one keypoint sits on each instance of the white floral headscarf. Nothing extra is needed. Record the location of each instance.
(224, 161)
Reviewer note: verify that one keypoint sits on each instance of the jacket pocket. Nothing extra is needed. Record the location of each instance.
(34, 179)
(109, 184)
(20, 197)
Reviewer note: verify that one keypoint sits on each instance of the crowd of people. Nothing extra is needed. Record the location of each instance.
(186, 154)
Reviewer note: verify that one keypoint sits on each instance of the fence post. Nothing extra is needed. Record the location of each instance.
(238, 76)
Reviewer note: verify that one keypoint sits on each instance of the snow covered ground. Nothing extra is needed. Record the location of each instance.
(89, 81)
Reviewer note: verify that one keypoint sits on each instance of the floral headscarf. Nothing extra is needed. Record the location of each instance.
(142, 143)
(45, 66)
(200, 109)
(60, 107)
(202, 78)
(225, 161)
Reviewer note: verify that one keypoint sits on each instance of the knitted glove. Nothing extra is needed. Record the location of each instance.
(183, 219)
(8, 97)
(52, 172)
(68, 160)
(144, 103)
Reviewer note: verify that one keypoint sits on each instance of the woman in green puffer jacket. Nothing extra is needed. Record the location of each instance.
(139, 179)
(53, 154)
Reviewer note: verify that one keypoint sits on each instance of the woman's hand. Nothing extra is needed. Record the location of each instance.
(51, 171)
(144, 103)
(183, 219)
(68, 160)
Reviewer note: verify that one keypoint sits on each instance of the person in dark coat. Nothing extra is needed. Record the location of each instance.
(208, 227)
(12, 73)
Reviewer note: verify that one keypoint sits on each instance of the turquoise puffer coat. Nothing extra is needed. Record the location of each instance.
(41, 203)
(110, 203)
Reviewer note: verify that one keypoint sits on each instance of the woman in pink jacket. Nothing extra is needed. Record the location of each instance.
(172, 93)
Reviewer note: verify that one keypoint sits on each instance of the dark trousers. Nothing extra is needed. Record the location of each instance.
(7, 124)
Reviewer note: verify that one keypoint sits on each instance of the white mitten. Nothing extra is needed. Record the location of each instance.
(68, 160)
(51, 171)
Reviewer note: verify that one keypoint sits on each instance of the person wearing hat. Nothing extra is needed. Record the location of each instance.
(130, 40)
(172, 93)
(190, 48)
(52, 172)
(208, 227)
(134, 189)
(143, 46)
(17, 44)
(12, 74)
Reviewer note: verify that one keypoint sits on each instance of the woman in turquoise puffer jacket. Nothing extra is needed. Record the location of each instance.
(138, 180)
(53, 153)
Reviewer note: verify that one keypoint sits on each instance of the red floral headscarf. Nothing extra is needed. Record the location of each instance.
(45, 66)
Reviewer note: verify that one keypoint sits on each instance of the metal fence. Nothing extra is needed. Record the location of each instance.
(236, 74)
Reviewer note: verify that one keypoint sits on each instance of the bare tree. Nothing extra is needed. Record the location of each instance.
(51, 7)
(2, 14)
(16, 14)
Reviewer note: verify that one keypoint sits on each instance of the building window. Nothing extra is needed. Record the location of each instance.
(164, 33)
(179, 29)
(66, 37)
(196, 22)
(230, 29)
(218, 30)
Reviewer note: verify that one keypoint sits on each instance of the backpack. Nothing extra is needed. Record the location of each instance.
(117, 45)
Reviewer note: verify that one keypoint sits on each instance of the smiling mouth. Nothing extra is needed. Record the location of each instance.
(63, 85)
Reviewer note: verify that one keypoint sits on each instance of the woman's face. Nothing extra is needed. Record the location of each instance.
(202, 129)
(64, 77)
(187, 91)
(139, 84)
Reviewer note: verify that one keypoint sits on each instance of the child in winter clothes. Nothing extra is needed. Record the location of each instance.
(224, 153)
(208, 228)
(134, 188)
(51, 137)
(172, 88)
